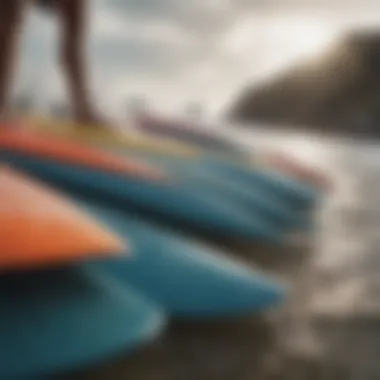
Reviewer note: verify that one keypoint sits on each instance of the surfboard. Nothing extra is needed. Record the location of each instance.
(295, 192)
(274, 184)
(290, 183)
(141, 142)
(292, 167)
(296, 183)
(268, 204)
(115, 139)
(185, 277)
(40, 227)
(180, 167)
(151, 193)
(63, 319)
(73, 153)
(182, 131)
(221, 141)
(217, 142)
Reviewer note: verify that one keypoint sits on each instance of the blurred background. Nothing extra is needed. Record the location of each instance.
(219, 56)
(299, 76)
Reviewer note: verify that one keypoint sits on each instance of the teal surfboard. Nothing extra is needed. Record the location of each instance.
(255, 200)
(257, 184)
(186, 278)
(182, 204)
(291, 190)
(63, 319)
(216, 141)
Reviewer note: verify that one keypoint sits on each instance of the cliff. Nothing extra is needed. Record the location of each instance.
(338, 92)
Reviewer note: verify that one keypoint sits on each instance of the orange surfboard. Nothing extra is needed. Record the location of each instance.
(73, 153)
(39, 227)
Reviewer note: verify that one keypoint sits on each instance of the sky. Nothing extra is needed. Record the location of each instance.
(173, 53)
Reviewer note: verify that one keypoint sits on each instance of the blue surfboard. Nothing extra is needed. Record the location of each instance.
(172, 200)
(254, 199)
(185, 277)
(293, 191)
(277, 184)
(63, 319)
(261, 182)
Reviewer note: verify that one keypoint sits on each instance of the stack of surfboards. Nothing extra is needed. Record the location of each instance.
(55, 314)
(279, 177)
(220, 141)
(188, 132)
(86, 270)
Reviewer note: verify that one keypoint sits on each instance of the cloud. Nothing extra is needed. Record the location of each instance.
(197, 16)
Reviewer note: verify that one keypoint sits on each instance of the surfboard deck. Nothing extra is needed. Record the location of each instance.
(74, 153)
(291, 179)
(171, 199)
(216, 140)
(182, 131)
(275, 186)
(177, 148)
(116, 139)
(185, 277)
(268, 204)
(64, 319)
(227, 180)
(305, 173)
(40, 227)
(293, 191)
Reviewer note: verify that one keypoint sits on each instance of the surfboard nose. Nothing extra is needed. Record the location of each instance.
(294, 191)
(185, 277)
(198, 290)
(64, 319)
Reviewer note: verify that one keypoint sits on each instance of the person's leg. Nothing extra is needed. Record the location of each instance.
(73, 15)
(11, 15)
